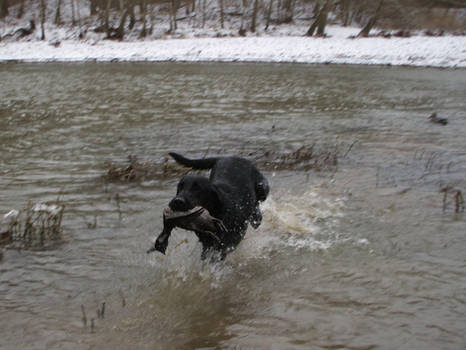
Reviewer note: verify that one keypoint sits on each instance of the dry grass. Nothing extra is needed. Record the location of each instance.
(35, 226)
(456, 198)
(302, 159)
(136, 171)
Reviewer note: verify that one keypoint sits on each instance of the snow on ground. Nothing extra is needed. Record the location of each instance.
(193, 43)
(447, 51)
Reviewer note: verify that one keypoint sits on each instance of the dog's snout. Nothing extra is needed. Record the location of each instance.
(178, 204)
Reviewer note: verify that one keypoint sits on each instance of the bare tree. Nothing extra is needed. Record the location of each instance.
(367, 28)
(78, 13)
(222, 14)
(132, 15)
(244, 4)
(288, 10)
(254, 15)
(204, 12)
(119, 33)
(321, 20)
(93, 7)
(174, 4)
(57, 19)
(4, 4)
(144, 18)
(21, 9)
(73, 18)
(107, 18)
(43, 8)
(269, 15)
(345, 9)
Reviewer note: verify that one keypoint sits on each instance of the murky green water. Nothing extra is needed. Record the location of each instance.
(360, 258)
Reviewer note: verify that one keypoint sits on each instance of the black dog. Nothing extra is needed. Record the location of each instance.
(231, 195)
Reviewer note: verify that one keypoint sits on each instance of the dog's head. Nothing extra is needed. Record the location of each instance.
(194, 190)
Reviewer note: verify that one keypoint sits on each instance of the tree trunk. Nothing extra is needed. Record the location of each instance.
(78, 13)
(144, 18)
(269, 15)
(151, 19)
(287, 15)
(321, 21)
(120, 32)
(346, 12)
(242, 31)
(222, 14)
(107, 18)
(203, 12)
(43, 6)
(278, 9)
(4, 8)
(132, 15)
(21, 9)
(174, 11)
(93, 7)
(73, 18)
(365, 31)
(57, 20)
(254, 16)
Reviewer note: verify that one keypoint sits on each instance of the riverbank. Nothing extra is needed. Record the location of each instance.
(338, 48)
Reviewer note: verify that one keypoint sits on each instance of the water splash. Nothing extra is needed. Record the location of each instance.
(299, 221)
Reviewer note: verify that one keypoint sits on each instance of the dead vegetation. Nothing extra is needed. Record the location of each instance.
(136, 171)
(304, 158)
(34, 227)
(307, 157)
(456, 197)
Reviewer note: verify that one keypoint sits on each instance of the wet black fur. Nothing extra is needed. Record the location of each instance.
(231, 193)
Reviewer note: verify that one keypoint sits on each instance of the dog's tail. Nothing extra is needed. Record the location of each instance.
(198, 164)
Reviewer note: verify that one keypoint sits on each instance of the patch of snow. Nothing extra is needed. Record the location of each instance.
(447, 51)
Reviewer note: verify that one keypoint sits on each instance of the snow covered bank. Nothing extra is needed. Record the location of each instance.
(445, 51)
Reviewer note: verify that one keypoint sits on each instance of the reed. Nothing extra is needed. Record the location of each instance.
(35, 226)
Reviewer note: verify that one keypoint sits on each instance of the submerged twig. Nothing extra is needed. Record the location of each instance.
(101, 311)
(123, 300)
(84, 317)
(459, 202)
(117, 200)
(457, 198)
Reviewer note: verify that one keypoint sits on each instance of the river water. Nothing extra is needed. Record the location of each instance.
(361, 256)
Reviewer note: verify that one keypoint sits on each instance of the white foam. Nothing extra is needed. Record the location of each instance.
(294, 221)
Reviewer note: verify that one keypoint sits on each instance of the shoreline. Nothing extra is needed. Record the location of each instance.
(116, 60)
(416, 51)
